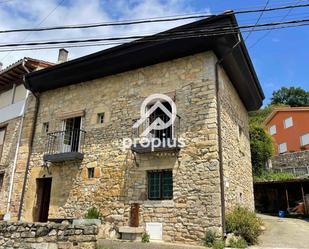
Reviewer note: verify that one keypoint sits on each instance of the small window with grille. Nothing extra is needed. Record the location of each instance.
(46, 127)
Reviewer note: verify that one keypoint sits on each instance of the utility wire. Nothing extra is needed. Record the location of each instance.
(269, 31)
(149, 20)
(209, 28)
(259, 18)
(98, 42)
(41, 22)
(136, 41)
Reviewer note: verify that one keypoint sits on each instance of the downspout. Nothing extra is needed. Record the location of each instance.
(220, 148)
(17, 147)
(36, 111)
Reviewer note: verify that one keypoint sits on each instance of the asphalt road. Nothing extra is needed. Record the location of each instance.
(284, 233)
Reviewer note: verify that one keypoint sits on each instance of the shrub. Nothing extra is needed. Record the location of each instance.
(210, 238)
(244, 223)
(261, 148)
(92, 213)
(238, 243)
(145, 238)
(218, 244)
(273, 176)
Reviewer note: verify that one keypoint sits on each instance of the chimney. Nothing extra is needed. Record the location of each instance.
(1, 65)
(63, 55)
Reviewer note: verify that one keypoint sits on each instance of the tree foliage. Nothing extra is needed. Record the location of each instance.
(261, 148)
(293, 96)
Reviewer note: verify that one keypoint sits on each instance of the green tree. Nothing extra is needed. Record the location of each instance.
(258, 117)
(261, 148)
(293, 96)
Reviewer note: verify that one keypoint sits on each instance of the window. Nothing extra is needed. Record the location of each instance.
(304, 139)
(288, 122)
(158, 113)
(45, 127)
(1, 181)
(160, 185)
(71, 136)
(272, 130)
(90, 172)
(282, 148)
(2, 135)
(240, 131)
(100, 118)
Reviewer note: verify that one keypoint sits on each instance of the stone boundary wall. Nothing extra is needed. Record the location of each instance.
(47, 235)
(295, 159)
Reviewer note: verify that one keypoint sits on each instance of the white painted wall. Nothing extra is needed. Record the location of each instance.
(11, 111)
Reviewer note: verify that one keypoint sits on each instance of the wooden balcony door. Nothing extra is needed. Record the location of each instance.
(71, 135)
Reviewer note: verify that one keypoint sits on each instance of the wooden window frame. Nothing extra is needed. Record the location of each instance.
(161, 192)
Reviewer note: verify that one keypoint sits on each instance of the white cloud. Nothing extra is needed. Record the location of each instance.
(20, 14)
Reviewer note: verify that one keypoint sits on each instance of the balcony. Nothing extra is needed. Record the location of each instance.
(65, 146)
(165, 140)
(11, 111)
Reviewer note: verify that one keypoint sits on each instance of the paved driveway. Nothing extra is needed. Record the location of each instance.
(284, 233)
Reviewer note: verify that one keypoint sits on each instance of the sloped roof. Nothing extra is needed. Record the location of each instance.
(284, 109)
(153, 49)
(13, 74)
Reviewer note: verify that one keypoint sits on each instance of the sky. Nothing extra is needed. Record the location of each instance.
(280, 58)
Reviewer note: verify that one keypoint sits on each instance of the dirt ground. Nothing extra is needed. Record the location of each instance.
(284, 233)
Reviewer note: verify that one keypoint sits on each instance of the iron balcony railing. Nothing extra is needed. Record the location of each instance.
(170, 132)
(169, 137)
(67, 141)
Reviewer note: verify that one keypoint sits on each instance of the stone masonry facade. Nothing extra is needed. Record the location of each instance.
(120, 177)
(12, 128)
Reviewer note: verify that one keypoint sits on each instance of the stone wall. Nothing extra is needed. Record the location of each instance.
(47, 236)
(237, 166)
(294, 159)
(7, 158)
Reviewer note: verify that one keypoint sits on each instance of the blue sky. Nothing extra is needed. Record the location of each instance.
(280, 59)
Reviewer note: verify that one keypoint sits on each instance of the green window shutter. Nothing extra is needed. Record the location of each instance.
(154, 183)
(167, 184)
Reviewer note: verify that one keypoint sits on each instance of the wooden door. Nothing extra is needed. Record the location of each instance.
(43, 198)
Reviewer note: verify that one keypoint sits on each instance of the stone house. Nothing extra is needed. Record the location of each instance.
(13, 97)
(86, 108)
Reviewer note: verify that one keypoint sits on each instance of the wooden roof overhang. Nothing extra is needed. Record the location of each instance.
(14, 73)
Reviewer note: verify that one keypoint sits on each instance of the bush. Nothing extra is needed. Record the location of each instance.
(244, 223)
(92, 213)
(238, 243)
(218, 244)
(210, 238)
(273, 176)
(261, 148)
(145, 238)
